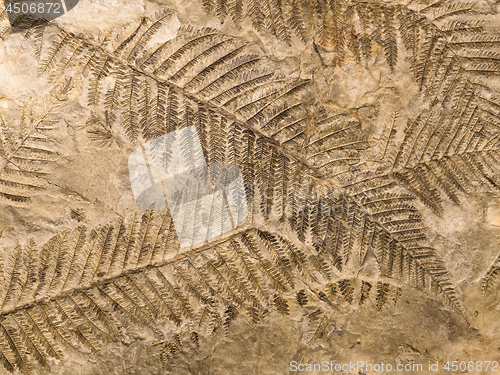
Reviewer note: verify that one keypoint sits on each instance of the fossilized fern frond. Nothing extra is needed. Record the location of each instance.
(26, 152)
(79, 287)
(451, 147)
(315, 238)
(206, 74)
(206, 79)
(352, 26)
(489, 279)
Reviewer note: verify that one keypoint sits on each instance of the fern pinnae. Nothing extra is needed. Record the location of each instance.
(375, 19)
(144, 246)
(256, 15)
(130, 291)
(327, 34)
(489, 279)
(389, 37)
(237, 67)
(124, 44)
(213, 267)
(81, 257)
(214, 67)
(235, 9)
(70, 320)
(446, 75)
(166, 300)
(276, 98)
(6, 139)
(138, 242)
(483, 68)
(264, 156)
(69, 268)
(466, 121)
(93, 325)
(251, 100)
(200, 58)
(319, 222)
(221, 9)
(48, 262)
(196, 221)
(171, 111)
(302, 212)
(129, 104)
(475, 40)
(113, 240)
(424, 60)
(153, 58)
(250, 269)
(95, 256)
(159, 21)
(7, 355)
(158, 244)
(281, 304)
(208, 5)
(214, 322)
(144, 109)
(294, 19)
(452, 10)
(100, 313)
(158, 294)
(76, 47)
(111, 296)
(15, 350)
(279, 258)
(297, 257)
(27, 274)
(12, 275)
(410, 136)
(362, 12)
(462, 26)
(100, 70)
(282, 30)
(473, 125)
(49, 60)
(278, 122)
(178, 296)
(144, 293)
(156, 121)
(231, 94)
(204, 36)
(61, 262)
(422, 140)
(282, 167)
(112, 96)
(87, 334)
(192, 286)
(41, 330)
(35, 28)
(266, 266)
(231, 270)
(53, 325)
(203, 278)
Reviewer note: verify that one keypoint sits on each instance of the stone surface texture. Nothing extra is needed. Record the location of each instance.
(368, 139)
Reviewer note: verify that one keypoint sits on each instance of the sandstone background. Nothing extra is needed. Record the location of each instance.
(88, 184)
